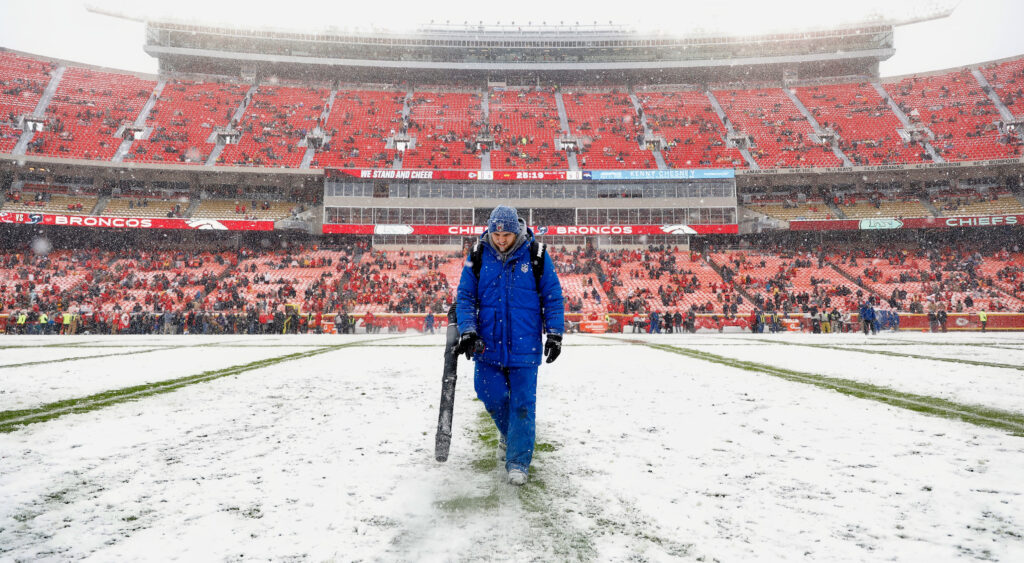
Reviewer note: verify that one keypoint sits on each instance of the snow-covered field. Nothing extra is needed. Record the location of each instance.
(718, 447)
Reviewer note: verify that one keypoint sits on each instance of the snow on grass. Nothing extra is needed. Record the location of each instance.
(642, 455)
(13, 358)
(38, 384)
(948, 379)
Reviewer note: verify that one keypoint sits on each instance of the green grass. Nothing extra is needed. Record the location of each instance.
(94, 356)
(14, 419)
(973, 414)
(900, 354)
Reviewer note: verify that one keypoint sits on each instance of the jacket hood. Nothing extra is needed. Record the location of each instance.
(525, 234)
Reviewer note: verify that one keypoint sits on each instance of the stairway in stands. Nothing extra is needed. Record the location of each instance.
(728, 126)
(904, 120)
(658, 157)
(406, 112)
(563, 120)
(235, 118)
(307, 158)
(817, 127)
(1004, 111)
(40, 111)
(140, 122)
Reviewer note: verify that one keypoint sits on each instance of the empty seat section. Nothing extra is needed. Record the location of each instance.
(525, 127)
(445, 126)
(609, 130)
(84, 115)
(183, 121)
(22, 82)
(243, 209)
(1007, 79)
(958, 112)
(781, 135)
(359, 125)
(693, 133)
(55, 203)
(877, 206)
(790, 209)
(272, 126)
(145, 207)
(8, 137)
(966, 201)
(868, 129)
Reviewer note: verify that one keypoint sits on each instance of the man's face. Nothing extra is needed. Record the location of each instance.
(503, 240)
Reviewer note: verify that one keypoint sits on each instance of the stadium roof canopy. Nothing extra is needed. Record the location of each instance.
(518, 53)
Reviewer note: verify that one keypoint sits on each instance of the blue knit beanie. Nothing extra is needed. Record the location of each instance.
(504, 219)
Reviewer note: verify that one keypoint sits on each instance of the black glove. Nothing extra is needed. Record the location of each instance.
(553, 347)
(469, 344)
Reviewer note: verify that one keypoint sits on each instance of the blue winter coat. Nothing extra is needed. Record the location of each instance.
(505, 305)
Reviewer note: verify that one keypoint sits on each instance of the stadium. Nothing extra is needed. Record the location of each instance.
(696, 192)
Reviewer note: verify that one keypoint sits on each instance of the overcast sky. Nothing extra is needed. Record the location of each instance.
(978, 30)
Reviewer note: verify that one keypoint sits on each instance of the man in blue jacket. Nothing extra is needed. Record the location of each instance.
(867, 318)
(503, 310)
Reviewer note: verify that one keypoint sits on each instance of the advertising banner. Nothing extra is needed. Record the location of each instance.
(695, 174)
(885, 167)
(534, 175)
(540, 230)
(884, 223)
(133, 222)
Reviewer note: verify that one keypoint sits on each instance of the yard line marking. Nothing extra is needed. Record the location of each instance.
(12, 420)
(977, 415)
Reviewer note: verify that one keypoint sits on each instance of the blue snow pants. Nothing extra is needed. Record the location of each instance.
(510, 396)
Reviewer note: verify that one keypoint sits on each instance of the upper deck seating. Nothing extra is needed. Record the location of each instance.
(781, 134)
(184, 119)
(1007, 79)
(525, 127)
(272, 126)
(958, 112)
(84, 115)
(693, 133)
(866, 125)
(359, 125)
(610, 131)
(445, 126)
(22, 82)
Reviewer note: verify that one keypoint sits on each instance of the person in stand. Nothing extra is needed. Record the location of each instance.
(504, 308)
